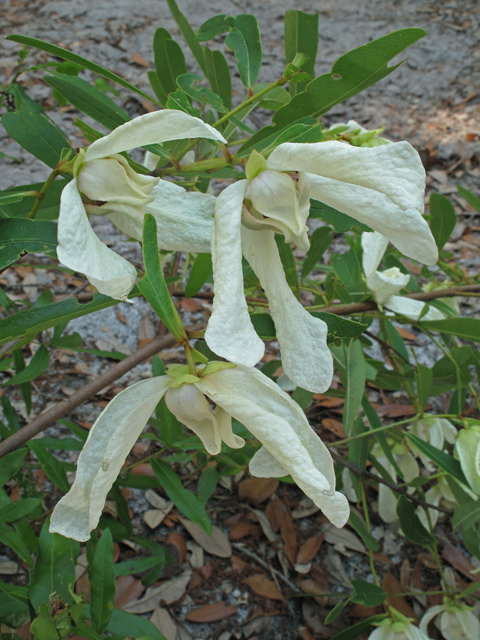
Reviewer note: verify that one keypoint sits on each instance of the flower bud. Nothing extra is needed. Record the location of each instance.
(385, 284)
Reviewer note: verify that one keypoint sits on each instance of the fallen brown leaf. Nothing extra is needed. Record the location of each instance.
(179, 542)
(263, 586)
(139, 59)
(406, 335)
(274, 512)
(217, 545)
(455, 557)
(392, 585)
(257, 489)
(289, 537)
(334, 426)
(143, 469)
(212, 612)
(396, 410)
(168, 592)
(242, 530)
(127, 589)
(309, 549)
(164, 623)
(343, 537)
(238, 565)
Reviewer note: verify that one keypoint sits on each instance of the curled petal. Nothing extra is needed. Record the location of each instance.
(264, 465)
(374, 246)
(191, 407)
(184, 219)
(81, 250)
(151, 128)
(382, 187)
(430, 615)
(281, 426)
(412, 309)
(230, 332)
(108, 444)
(306, 359)
(224, 421)
(385, 284)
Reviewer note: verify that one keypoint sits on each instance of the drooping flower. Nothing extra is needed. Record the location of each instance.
(105, 184)
(381, 186)
(434, 431)
(290, 446)
(386, 284)
(397, 627)
(438, 494)
(456, 620)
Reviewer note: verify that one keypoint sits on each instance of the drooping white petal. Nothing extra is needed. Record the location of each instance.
(374, 246)
(467, 446)
(152, 128)
(230, 333)
(306, 359)
(224, 421)
(433, 496)
(382, 633)
(281, 426)
(460, 625)
(264, 465)
(413, 633)
(448, 430)
(411, 308)
(81, 250)
(382, 187)
(184, 219)
(191, 407)
(108, 444)
(385, 284)
(429, 615)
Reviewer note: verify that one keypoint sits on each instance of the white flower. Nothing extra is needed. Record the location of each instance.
(434, 431)
(105, 184)
(467, 447)
(382, 187)
(397, 627)
(457, 621)
(290, 446)
(387, 503)
(440, 493)
(386, 284)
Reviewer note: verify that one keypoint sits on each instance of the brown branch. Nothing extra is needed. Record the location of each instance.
(65, 406)
(362, 473)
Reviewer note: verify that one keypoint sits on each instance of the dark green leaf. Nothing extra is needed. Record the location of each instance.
(336, 611)
(11, 539)
(129, 625)
(463, 328)
(170, 428)
(200, 94)
(43, 627)
(37, 365)
(169, 62)
(18, 509)
(356, 377)
(367, 593)
(54, 567)
(363, 532)
(467, 515)
(153, 285)
(347, 268)
(49, 206)
(10, 414)
(52, 467)
(411, 524)
(10, 464)
(244, 40)
(288, 260)
(423, 378)
(89, 100)
(207, 484)
(26, 387)
(443, 219)
(187, 33)
(184, 499)
(320, 240)
(302, 397)
(339, 221)
(301, 36)
(306, 130)
(102, 581)
(135, 565)
(470, 197)
(339, 327)
(218, 75)
(214, 27)
(76, 59)
(199, 274)
(440, 458)
(355, 630)
(19, 235)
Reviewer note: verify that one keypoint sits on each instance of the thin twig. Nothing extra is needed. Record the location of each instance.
(366, 474)
(263, 564)
(85, 393)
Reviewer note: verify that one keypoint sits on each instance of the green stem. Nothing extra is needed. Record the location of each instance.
(190, 360)
(48, 183)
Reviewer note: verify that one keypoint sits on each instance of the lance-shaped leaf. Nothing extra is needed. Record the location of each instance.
(443, 220)
(201, 94)
(301, 36)
(18, 236)
(218, 75)
(59, 52)
(37, 365)
(169, 63)
(102, 576)
(187, 33)
(244, 40)
(153, 285)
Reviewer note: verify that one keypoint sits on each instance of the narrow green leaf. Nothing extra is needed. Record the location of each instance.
(367, 593)
(59, 52)
(336, 611)
(36, 134)
(351, 633)
(200, 94)
(214, 27)
(187, 33)
(463, 328)
(26, 387)
(470, 197)
(52, 467)
(347, 268)
(467, 515)
(129, 625)
(363, 532)
(184, 499)
(339, 327)
(170, 428)
(54, 567)
(200, 272)
(135, 565)
(153, 285)
(10, 538)
(20, 235)
(443, 219)
(10, 464)
(339, 221)
(207, 484)
(288, 260)
(301, 36)
(244, 40)
(18, 509)
(320, 240)
(218, 75)
(169, 62)
(440, 458)
(302, 131)
(102, 581)
(37, 365)
(423, 379)
(411, 525)
(356, 377)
